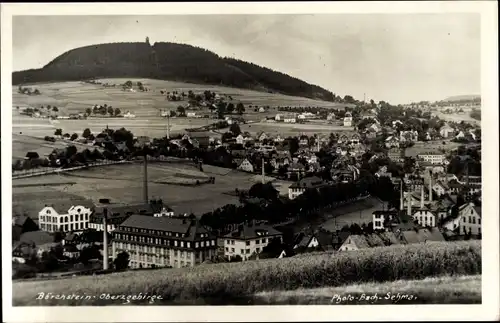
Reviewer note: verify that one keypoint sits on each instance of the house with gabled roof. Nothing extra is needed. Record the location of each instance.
(246, 166)
(467, 220)
(248, 239)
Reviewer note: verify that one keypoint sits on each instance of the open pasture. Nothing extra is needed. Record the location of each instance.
(75, 97)
(358, 212)
(123, 184)
(22, 144)
(293, 129)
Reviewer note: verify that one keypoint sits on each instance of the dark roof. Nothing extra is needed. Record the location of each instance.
(117, 213)
(19, 220)
(252, 232)
(166, 224)
(37, 238)
(340, 237)
(302, 239)
(422, 235)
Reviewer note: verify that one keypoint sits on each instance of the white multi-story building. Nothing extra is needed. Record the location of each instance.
(76, 218)
(249, 239)
(380, 218)
(433, 158)
(468, 220)
(425, 218)
(163, 242)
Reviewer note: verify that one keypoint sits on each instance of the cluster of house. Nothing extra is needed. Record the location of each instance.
(428, 212)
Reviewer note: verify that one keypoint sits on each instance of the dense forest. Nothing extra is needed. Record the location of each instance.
(167, 61)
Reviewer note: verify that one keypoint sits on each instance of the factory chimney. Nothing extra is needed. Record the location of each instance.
(422, 198)
(105, 233)
(401, 199)
(409, 203)
(430, 188)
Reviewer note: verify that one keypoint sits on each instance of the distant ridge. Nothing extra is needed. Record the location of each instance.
(471, 97)
(167, 61)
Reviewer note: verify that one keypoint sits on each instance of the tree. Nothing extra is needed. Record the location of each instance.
(235, 129)
(181, 109)
(230, 108)
(227, 136)
(86, 133)
(55, 109)
(128, 84)
(58, 132)
(110, 110)
(117, 111)
(221, 110)
(121, 261)
(240, 108)
(73, 137)
(88, 111)
(264, 191)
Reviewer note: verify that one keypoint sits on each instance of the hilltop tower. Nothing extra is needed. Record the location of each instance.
(147, 40)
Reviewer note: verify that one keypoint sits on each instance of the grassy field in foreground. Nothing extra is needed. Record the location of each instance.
(434, 290)
(230, 283)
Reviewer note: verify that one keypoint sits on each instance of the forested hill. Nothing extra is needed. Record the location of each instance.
(167, 61)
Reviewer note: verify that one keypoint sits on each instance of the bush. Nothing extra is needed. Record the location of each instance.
(232, 280)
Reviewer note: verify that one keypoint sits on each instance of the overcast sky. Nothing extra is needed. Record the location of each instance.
(397, 58)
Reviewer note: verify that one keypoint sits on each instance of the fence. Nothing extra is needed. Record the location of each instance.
(47, 171)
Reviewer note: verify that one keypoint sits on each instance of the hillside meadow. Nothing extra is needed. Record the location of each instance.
(75, 97)
(237, 283)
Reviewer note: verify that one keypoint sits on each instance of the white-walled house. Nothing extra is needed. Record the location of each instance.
(240, 139)
(249, 239)
(76, 218)
(439, 188)
(425, 218)
(468, 220)
(446, 131)
(434, 158)
(246, 166)
(129, 115)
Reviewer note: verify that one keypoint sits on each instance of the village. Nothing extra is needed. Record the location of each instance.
(420, 174)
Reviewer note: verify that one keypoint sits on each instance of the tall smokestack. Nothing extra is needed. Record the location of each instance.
(422, 198)
(430, 188)
(105, 238)
(145, 178)
(408, 195)
(401, 201)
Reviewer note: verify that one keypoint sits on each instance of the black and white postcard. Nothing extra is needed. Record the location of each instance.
(250, 161)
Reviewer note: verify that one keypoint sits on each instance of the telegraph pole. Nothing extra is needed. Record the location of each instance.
(168, 124)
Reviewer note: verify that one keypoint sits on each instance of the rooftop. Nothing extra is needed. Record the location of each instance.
(247, 232)
(165, 224)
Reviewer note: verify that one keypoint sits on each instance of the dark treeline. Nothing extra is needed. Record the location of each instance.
(168, 61)
(307, 206)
